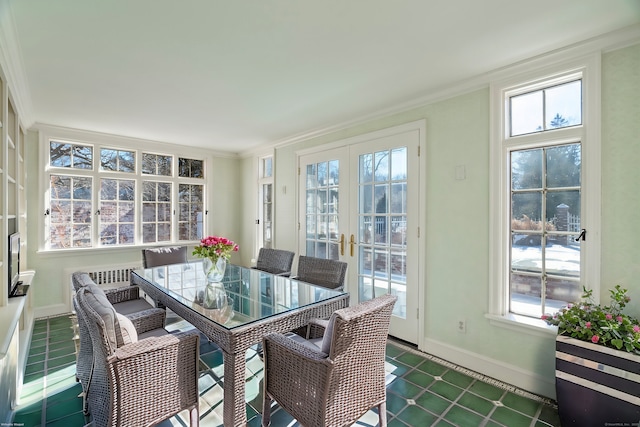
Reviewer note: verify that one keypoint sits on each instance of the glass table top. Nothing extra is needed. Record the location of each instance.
(243, 296)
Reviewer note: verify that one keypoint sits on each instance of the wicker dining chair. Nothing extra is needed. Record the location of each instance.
(337, 380)
(275, 261)
(126, 301)
(156, 257)
(132, 370)
(327, 273)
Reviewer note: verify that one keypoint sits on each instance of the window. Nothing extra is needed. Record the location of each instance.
(129, 198)
(156, 212)
(117, 212)
(265, 219)
(544, 191)
(117, 160)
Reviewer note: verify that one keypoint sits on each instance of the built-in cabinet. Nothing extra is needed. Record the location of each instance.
(16, 314)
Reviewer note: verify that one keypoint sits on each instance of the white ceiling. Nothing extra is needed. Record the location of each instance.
(233, 75)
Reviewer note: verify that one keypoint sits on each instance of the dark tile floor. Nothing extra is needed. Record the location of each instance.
(421, 390)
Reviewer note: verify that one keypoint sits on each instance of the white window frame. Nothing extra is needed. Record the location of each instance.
(97, 142)
(262, 181)
(501, 144)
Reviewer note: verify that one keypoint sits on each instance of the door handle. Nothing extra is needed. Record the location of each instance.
(352, 242)
(342, 244)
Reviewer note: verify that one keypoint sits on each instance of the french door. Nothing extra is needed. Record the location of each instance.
(360, 203)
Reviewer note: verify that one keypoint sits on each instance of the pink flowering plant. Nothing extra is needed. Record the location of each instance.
(603, 325)
(214, 247)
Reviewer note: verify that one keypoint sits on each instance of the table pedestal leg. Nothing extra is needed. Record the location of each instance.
(234, 408)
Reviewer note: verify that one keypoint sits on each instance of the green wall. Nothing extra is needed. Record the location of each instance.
(621, 173)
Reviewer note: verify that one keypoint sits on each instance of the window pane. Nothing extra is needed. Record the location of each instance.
(108, 160)
(526, 253)
(381, 166)
(563, 105)
(563, 207)
(399, 164)
(526, 113)
(126, 161)
(526, 295)
(526, 211)
(559, 291)
(564, 164)
(267, 167)
(266, 193)
(366, 168)
(334, 172)
(312, 178)
(399, 198)
(526, 169)
(82, 157)
(323, 174)
(562, 256)
(366, 198)
(59, 154)
(381, 199)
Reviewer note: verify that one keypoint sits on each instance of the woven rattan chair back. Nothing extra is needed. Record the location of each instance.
(335, 389)
(327, 273)
(155, 257)
(275, 261)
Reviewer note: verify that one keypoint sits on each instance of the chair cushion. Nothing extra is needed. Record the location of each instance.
(159, 332)
(132, 306)
(127, 329)
(327, 337)
(81, 279)
(313, 344)
(99, 303)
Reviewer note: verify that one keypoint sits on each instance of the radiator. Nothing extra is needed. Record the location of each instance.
(108, 277)
(105, 276)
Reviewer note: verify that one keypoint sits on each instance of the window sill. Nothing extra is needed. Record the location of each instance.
(523, 324)
(103, 249)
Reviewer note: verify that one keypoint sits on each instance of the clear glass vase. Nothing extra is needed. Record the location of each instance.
(214, 268)
(215, 296)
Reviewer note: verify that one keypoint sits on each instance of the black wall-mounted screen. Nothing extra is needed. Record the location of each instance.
(14, 260)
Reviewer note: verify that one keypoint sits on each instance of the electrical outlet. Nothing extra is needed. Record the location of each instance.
(462, 326)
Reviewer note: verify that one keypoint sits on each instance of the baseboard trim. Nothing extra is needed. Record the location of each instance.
(493, 369)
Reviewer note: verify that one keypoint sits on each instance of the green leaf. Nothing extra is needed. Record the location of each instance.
(617, 343)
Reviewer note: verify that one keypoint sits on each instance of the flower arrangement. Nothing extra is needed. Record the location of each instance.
(214, 247)
(603, 325)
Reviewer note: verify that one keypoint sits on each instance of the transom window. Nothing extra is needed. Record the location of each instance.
(128, 198)
(549, 108)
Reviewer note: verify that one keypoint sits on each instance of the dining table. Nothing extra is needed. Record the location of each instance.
(237, 312)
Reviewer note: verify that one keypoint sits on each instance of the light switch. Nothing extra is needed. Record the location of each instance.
(461, 172)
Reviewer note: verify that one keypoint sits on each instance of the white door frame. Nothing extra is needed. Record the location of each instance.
(421, 126)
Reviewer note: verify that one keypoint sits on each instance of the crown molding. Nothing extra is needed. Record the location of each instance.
(605, 43)
(11, 65)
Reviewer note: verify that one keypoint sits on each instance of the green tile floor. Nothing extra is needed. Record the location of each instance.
(421, 390)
